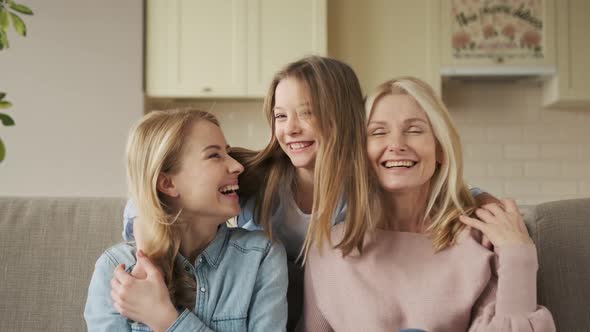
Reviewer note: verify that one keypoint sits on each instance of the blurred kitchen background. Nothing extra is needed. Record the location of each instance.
(514, 73)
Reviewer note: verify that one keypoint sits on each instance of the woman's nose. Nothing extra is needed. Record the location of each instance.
(235, 167)
(397, 143)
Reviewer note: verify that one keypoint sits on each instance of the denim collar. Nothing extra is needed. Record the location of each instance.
(213, 252)
(212, 255)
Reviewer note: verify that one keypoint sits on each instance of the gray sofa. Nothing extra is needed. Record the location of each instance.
(48, 247)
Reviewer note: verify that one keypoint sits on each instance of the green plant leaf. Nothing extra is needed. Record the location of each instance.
(6, 120)
(4, 21)
(19, 25)
(2, 151)
(21, 8)
(2, 95)
(5, 104)
(3, 40)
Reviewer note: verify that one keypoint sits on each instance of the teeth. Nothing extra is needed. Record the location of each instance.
(229, 188)
(295, 146)
(402, 163)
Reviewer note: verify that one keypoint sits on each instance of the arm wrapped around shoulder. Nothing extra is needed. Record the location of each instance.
(509, 302)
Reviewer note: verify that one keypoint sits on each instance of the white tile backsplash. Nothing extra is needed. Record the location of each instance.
(545, 153)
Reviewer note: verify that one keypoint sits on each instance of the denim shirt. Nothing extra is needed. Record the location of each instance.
(241, 286)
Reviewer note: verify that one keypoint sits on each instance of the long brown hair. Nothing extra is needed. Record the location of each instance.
(156, 145)
(341, 166)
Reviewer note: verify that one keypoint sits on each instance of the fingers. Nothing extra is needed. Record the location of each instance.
(118, 306)
(123, 277)
(486, 242)
(495, 209)
(120, 296)
(147, 265)
(484, 199)
(125, 311)
(485, 215)
(514, 214)
(115, 284)
(510, 206)
(116, 298)
(473, 222)
(117, 289)
(500, 215)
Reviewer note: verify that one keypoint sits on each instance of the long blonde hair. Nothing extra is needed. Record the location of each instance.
(156, 145)
(341, 166)
(449, 196)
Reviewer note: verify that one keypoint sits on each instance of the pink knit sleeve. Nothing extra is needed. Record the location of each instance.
(509, 302)
(312, 319)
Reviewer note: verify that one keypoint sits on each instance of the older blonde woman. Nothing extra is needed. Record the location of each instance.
(425, 264)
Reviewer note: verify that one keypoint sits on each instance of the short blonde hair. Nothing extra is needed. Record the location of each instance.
(449, 196)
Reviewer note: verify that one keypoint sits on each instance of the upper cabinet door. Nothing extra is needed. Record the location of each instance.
(227, 48)
(569, 88)
(195, 48)
(497, 32)
(279, 32)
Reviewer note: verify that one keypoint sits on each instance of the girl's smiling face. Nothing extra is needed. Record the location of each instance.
(294, 123)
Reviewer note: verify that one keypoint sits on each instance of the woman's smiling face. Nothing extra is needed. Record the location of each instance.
(401, 144)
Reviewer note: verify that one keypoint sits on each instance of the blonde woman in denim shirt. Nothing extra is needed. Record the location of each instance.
(196, 274)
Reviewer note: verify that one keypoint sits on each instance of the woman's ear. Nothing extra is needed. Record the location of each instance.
(166, 186)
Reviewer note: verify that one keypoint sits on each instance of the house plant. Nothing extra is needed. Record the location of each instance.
(9, 12)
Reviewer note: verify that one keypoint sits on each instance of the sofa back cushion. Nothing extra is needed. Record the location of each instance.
(561, 231)
(48, 247)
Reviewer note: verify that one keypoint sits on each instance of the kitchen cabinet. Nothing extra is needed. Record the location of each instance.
(383, 39)
(227, 48)
(279, 32)
(570, 87)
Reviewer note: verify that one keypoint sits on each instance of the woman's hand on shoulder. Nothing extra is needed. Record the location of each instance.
(501, 223)
(143, 296)
(484, 199)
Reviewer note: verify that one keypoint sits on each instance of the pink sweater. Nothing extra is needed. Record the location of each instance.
(399, 282)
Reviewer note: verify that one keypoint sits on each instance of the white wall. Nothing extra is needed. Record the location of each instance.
(242, 121)
(76, 85)
(516, 148)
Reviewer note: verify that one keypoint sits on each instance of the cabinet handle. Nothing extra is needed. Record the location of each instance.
(207, 89)
(499, 59)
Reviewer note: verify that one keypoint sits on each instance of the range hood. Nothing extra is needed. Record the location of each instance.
(495, 72)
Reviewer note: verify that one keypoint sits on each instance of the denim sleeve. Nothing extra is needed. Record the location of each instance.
(246, 217)
(268, 308)
(188, 321)
(100, 313)
(476, 191)
(128, 216)
(340, 213)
